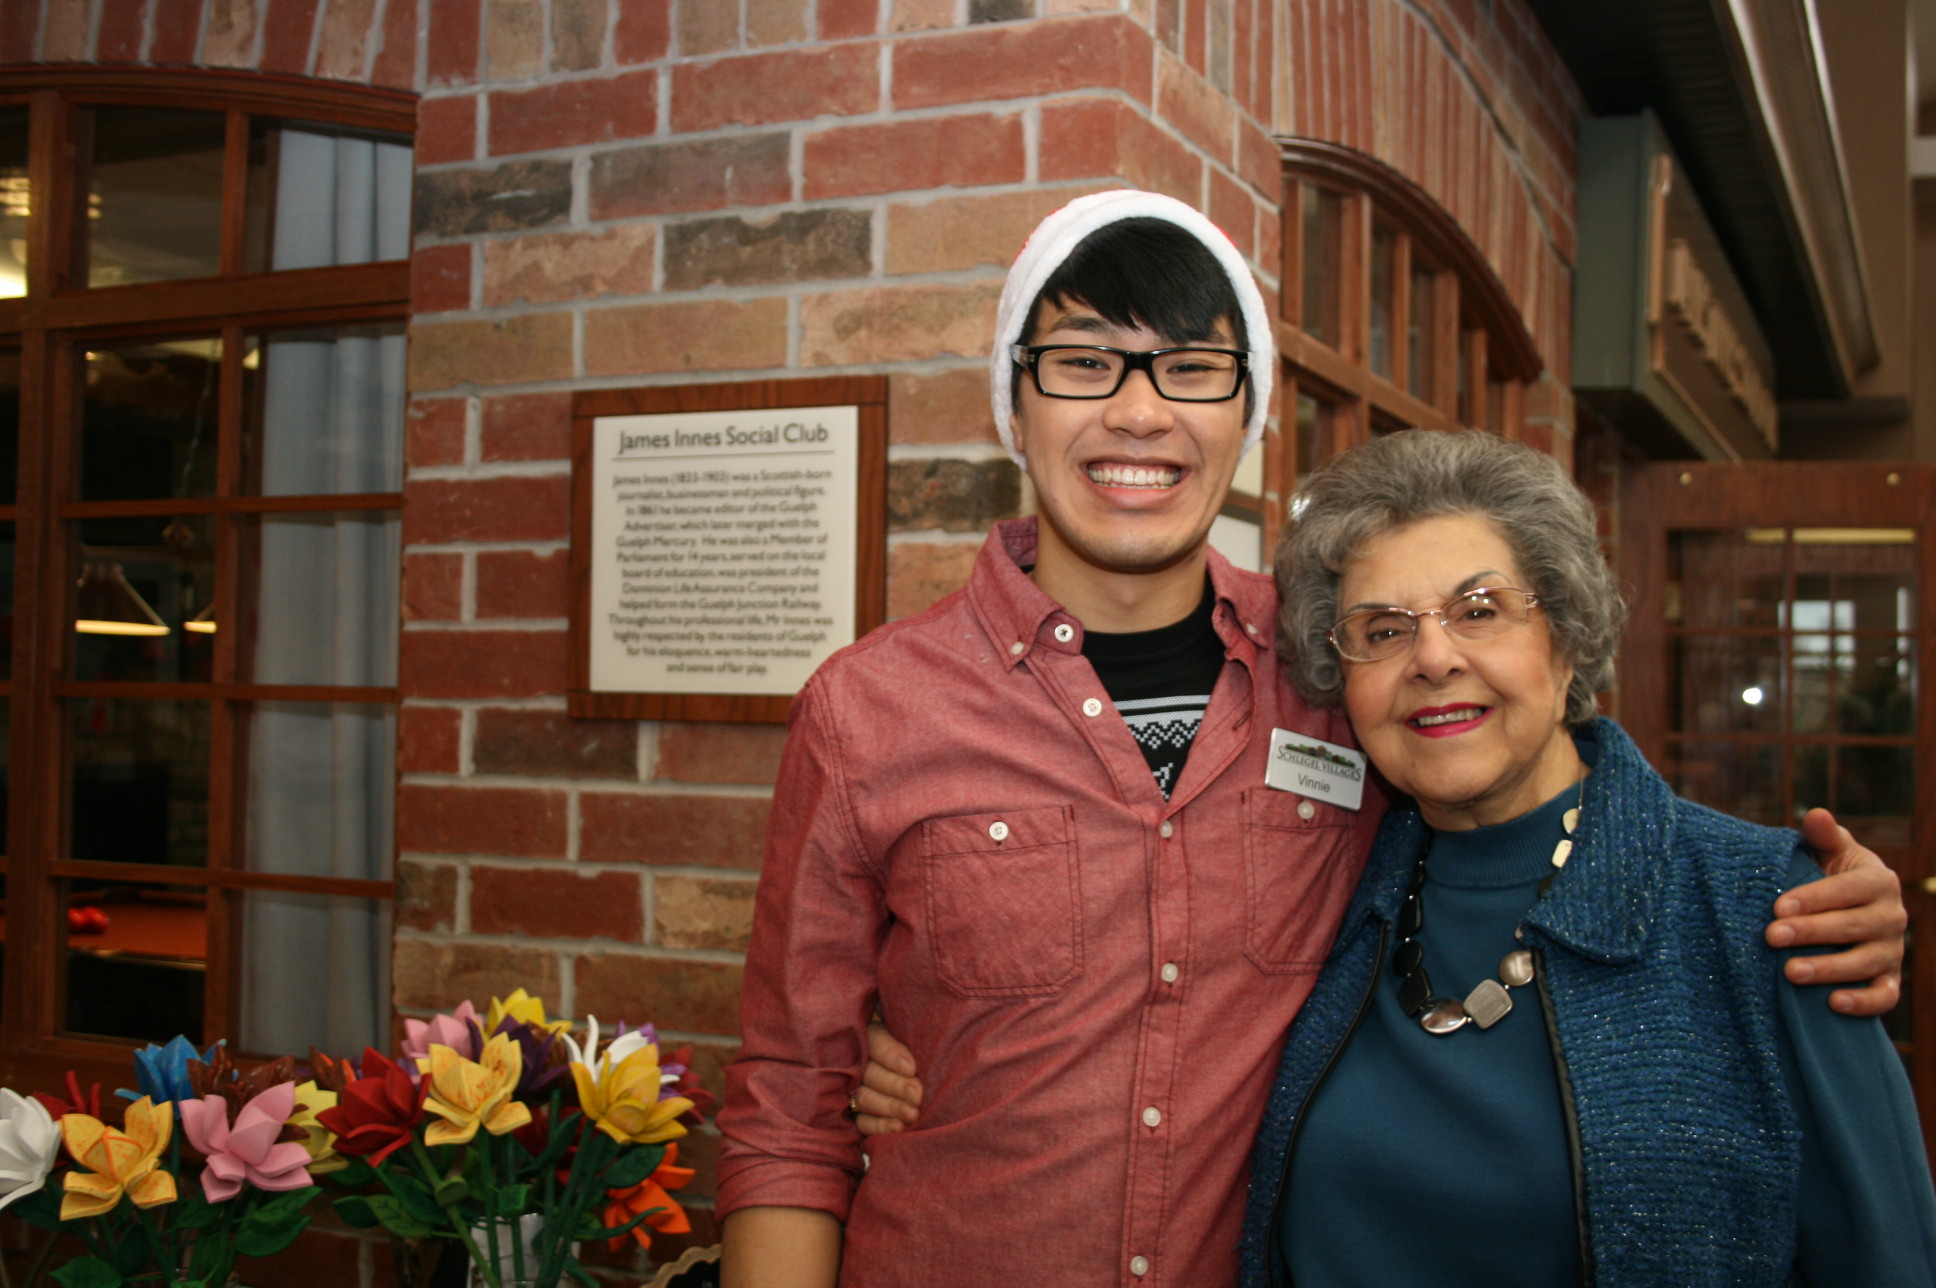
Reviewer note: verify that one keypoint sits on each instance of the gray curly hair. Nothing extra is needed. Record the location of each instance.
(1422, 474)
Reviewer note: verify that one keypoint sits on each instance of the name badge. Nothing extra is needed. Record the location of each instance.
(1316, 769)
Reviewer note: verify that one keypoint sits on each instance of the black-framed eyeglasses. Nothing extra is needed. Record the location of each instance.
(1485, 613)
(1190, 373)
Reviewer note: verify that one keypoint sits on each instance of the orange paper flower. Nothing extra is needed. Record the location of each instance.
(117, 1162)
(622, 1205)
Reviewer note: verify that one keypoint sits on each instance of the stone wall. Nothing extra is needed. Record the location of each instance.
(623, 192)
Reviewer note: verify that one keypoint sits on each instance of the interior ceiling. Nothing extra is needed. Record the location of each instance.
(1671, 56)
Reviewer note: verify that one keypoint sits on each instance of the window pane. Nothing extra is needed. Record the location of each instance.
(1421, 334)
(170, 565)
(155, 195)
(9, 421)
(1323, 224)
(325, 588)
(1729, 684)
(315, 971)
(319, 195)
(1743, 778)
(14, 201)
(137, 958)
(149, 419)
(321, 785)
(1313, 433)
(1384, 255)
(138, 787)
(326, 411)
(1725, 578)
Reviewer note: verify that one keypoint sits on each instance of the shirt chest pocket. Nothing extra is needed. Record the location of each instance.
(1003, 895)
(1299, 872)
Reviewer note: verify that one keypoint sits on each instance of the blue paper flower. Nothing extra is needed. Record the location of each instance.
(162, 1071)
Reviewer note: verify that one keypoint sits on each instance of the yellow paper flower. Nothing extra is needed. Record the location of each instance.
(623, 1097)
(319, 1140)
(468, 1094)
(117, 1162)
(524, 1009)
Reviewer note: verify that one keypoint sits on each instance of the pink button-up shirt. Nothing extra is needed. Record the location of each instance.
(1094, 980)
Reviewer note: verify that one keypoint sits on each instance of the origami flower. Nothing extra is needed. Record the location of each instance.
(249, 1150)
(468, 1094)
(29, 1146)
(544, 1056)
(622, 1205)
(90, 1104)
(523, 1007)
(113, 1163)
(461, 1031)
(621, 1089)
(377, 1113)
(318, 1141)
(162, 1071)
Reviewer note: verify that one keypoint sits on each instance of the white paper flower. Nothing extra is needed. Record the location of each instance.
(29, 1145)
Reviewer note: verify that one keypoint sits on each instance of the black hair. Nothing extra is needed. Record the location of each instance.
(1145, 272)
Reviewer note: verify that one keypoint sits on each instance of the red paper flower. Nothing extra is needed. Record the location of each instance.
(377, 1113)
(622, 1205)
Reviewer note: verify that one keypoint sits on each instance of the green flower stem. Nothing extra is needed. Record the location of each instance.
(517, 1221)
(157, 1244)
(457, 1222)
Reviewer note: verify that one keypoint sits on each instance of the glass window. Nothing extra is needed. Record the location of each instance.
(154, 210)
(15, 201)
(1323, 225)
(148, 419)
(1421, 335)
(1384, 285)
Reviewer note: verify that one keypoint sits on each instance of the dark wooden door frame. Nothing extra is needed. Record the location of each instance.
(1656, 499)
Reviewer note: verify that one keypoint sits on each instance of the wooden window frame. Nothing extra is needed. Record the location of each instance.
(50, 326)
(1482, 355)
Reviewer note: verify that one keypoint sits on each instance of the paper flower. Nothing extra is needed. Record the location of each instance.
(461, 1031)
(112, 1163)
(29, 1145)
(377, 1113)
(247, 1152)
(219, 1076)
(544, 1055)
(57, 1109)
(468, 1094)
(162, 1071)
(522, 1007)
(622, 1205)
(620, 1089)
(318, 1141)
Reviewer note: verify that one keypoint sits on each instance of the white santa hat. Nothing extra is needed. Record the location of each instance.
(1056, 237)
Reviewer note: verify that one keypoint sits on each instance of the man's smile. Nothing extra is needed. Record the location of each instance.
(1110, 474)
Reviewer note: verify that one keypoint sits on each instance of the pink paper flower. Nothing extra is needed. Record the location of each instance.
(461, 1031)
(247, 1152)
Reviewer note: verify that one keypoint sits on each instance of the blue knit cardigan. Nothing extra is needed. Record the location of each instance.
(1663, 1005)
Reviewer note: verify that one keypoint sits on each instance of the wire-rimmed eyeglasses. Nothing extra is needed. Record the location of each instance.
(1191, 373)
(1484, 613)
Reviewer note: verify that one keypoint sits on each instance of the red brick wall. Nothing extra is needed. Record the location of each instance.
(620, 192)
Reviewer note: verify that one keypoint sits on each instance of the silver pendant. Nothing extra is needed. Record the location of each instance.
(1516, 968)
(1488, 1003)
(1446, 1016)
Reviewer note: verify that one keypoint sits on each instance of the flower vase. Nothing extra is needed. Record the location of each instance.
(501, 1232)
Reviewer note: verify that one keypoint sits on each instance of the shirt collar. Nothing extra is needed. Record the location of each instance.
(1020, 618)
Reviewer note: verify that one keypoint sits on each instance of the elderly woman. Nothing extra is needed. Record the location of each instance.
(1548, 1046)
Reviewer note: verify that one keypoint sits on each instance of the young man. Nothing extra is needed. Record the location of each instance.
(1031, 827)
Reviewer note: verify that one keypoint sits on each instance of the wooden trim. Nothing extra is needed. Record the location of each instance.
(261, 93)
(1411, 208)
(342, 293)
(135, 690)
(232, 505)
(216, 879)
(1358, 382)
(868, 393)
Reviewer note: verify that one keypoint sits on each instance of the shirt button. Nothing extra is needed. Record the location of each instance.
(1306, 810)
(1064, 632)
(998, 830)
(1152, 1117)
(1139, 1266)
(1170, 972)
(1092, 706)
(1016, 648)
(1165, 831)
